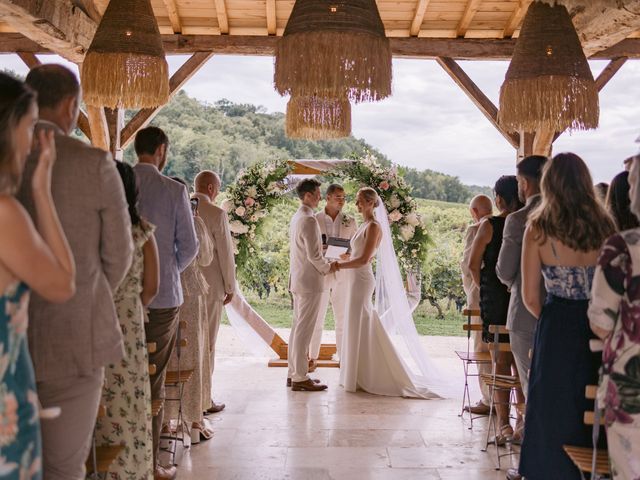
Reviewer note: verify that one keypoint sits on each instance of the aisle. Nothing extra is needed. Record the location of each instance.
(268, 432)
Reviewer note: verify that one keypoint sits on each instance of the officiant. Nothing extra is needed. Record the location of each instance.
(333, 224)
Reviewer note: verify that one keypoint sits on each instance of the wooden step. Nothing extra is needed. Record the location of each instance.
(173, 378)
(105, 457)
(582, 458)
(282, 362)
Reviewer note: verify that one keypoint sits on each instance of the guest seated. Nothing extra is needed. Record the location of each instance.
(618, 203)
(37, 259)
(127, 393)
(494, 295)
(613, 317)
(561, 244)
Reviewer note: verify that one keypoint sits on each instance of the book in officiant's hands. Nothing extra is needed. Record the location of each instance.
(337, 247)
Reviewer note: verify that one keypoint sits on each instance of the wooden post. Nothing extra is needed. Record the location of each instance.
(115, 122)
(98, 127)
(526, 145)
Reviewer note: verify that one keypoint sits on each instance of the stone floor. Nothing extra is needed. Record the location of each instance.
(268, 432)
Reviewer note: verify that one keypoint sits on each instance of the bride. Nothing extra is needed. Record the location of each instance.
(381, 349)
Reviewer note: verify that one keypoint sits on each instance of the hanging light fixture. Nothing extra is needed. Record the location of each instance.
(125, 65)
(549, 83)
(334, 49)
(315, 118)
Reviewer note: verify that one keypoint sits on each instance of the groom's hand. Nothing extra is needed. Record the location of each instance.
(334, 267)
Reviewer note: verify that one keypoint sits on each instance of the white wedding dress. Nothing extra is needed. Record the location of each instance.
(381, 353)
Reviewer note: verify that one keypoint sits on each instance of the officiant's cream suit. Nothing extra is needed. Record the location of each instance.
(343, 226)
(307, 267)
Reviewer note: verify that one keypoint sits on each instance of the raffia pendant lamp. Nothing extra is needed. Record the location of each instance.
(315, 118)
(334, 49)
(549, 83)
(125, 65)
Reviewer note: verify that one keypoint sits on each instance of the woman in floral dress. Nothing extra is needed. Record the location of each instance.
(614, 315)
(127, 391)
(29, 259)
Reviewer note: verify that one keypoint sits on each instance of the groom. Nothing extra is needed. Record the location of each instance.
(306, 283)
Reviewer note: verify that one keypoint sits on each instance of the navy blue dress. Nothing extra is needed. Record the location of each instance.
(561, 367)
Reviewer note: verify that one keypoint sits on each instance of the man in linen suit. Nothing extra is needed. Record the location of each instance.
(71, 343)
(221, 273)
(308, 268)
(333, 223)
(520, 322)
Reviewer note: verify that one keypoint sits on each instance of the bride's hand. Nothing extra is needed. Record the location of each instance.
(345, 257)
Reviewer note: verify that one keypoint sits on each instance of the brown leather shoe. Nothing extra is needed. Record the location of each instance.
(307, 386)
(316, 380)
(164, 473)
(512, 474)
(478, 409)
(214, 408)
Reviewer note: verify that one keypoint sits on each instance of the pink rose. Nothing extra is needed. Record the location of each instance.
(384, 185)
(249, 202)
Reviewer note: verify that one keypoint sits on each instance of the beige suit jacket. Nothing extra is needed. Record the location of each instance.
(221, 272)
(307, 265)
(82, 334)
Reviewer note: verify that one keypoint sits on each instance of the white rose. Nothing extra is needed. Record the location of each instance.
(227, 205)
(394, 201)
(395, 216)
(413, 219)
(236, 226)
(407, 232)
(240, 211)
(254, 218)
(252, 192)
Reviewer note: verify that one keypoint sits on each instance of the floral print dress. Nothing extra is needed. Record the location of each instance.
(20, 442)
(615, 307)
(127, 391)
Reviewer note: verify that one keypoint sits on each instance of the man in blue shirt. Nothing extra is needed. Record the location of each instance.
(164, 203)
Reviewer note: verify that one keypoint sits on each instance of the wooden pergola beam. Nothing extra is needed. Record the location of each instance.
(272, 27)
(470, 11)
(99, 130)
(56, 25)
(223, 18)
(418, 17)
(174, 17)
(516, 18)
(177, 80)
(29, 59)
(484, 104)
(609, 71)
(90, 8)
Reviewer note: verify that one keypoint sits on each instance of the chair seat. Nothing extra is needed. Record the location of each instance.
(174, 378)
(582, 458)
(105, 456)
(500, 381)
(475, 357)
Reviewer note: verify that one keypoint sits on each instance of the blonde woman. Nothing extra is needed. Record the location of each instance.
(561, 244)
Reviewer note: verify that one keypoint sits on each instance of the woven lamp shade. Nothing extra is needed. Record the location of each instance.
(125, 65)
(334, 49)
(548, 83)
(315, 118)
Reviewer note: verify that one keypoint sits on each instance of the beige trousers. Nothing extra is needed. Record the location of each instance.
(214, 312)
(338, 297)
(305, 316)
(66, 440)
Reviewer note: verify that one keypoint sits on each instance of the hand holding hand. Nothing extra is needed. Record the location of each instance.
(41, 180)
(345, 257)
(227, 298)
(334, 267)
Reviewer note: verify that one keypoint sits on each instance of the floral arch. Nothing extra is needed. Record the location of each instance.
(260, 187)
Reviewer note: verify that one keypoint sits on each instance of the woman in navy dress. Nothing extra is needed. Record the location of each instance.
(30, 258)
(561, 244)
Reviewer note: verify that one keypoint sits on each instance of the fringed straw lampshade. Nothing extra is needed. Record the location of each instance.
(125, 65)
(334, 49)
(315, 118)
(548, 83)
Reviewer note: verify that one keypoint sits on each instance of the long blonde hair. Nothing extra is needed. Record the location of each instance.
(570, 211)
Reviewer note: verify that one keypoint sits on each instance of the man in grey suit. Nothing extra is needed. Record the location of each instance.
(521, 324)
(165, 203)
(71, 343)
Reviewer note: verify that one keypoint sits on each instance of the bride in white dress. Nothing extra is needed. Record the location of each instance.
(381, 351)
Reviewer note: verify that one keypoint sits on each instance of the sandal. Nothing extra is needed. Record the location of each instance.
(505, 435)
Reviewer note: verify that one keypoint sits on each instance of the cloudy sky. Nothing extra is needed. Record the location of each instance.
(429, 122)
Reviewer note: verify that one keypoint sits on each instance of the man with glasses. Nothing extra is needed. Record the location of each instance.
(333, 223)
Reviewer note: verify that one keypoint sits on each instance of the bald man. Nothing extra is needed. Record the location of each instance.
(221, 273)
(480, 207)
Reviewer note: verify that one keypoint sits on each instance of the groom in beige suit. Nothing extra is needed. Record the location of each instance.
(308, 268)
(221, 273)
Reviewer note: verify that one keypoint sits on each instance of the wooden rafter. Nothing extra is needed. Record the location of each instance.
(476, 95)
(272, 27)
(174, 17)
(178, 79)
(99, 130)
(418, 17)
(223, 18)
(469, 12)
(609, 71)
(516, 18)
(55, 25)
(90, 8)
(29, 59)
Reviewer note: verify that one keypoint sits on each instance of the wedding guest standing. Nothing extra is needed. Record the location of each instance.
(73, 342)
(197, 396)
(613, 317)
(561, 245)
(618, 203)
(480, 208)
(494, 295)
(165, 204)
(127, 393)
(35, 257)
(220, 274)
(333, 223)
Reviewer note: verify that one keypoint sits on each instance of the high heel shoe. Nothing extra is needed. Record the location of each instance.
(505, 435)
(200, 432)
